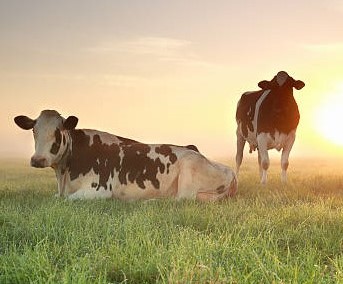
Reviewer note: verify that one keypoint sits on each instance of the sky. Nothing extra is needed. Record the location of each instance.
(169, 71)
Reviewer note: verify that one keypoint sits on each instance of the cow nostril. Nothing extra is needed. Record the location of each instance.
(38, 162)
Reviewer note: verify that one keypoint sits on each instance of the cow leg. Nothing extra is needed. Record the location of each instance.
(219, 193)
(61, 182)
(239, 154)
(263, 154)
(264, 165)
(260, 164)
(285, 156)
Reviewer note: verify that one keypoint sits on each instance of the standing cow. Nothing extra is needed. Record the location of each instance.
(94, 164)
(268, 119)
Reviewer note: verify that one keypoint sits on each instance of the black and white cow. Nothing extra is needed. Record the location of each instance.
(268, 119)
(94, 164)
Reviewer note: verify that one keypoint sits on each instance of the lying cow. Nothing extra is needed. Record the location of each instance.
(268, 119)
(94, 164)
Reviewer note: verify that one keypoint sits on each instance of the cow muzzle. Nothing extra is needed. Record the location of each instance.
(39, 162)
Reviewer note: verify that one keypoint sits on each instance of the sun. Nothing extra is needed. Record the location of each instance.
(329, 119)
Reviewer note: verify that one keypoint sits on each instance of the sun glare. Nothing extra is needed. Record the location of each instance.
(329, 119)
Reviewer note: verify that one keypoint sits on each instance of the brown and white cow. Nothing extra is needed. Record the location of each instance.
(93, 164)
(268, 119)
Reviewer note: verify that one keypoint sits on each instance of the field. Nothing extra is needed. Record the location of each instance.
(266, 234)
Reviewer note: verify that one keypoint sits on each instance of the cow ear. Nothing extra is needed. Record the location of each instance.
(265, 85)
(298, 84)
(24, 122)
(70, 123)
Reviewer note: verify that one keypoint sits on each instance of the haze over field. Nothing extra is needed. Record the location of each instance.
(172, 72)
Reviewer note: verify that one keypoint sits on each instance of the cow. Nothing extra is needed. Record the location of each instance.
(94, 164)
(268, 119)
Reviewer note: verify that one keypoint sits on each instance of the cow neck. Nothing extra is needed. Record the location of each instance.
(61, 165)
(65, 157)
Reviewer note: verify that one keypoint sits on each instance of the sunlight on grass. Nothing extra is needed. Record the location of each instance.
(266, 234)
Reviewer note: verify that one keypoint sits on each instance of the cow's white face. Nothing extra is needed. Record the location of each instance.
(49, 131)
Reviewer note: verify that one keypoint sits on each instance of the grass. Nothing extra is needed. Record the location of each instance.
(266, 234)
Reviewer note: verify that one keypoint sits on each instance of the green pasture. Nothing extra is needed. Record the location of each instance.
(266, 234)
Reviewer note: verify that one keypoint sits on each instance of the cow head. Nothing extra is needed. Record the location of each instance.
(49, 131)
(281, 80)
